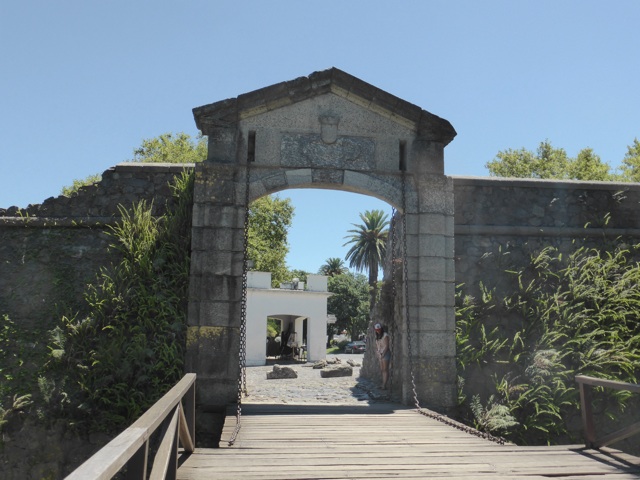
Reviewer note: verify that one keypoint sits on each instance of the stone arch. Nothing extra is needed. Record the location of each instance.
(329, 130)
(388, 190)
(286, 303)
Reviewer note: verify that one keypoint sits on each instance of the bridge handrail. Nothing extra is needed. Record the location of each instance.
(586, 384)
(131, 447)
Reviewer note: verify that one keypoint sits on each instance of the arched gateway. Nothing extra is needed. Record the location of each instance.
(329, 130)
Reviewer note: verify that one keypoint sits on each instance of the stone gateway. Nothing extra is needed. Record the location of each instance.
(329, 130)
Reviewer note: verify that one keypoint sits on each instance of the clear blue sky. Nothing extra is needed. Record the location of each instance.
(83, 82)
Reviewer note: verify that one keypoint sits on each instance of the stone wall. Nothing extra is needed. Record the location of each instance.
(31, 450)
(518, 216)
(49, 252)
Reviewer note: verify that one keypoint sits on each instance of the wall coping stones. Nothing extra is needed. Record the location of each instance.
(151, 167)
(524, 231)
(57, 222)
(97, 203)
(460, 181)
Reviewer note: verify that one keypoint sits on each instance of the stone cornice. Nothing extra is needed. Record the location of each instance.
(57, 222)
(528, 231)
(229, 112)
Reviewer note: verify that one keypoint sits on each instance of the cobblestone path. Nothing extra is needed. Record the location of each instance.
(310, 387)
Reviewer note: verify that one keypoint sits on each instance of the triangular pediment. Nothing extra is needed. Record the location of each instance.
(226, 113)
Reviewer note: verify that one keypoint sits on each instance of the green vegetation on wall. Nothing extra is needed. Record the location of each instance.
(17, 375)
(519, 350)
(126, 349)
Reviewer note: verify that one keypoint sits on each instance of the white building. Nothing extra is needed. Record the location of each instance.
(302, 311)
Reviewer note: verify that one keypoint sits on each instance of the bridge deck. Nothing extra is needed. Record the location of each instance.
(383, 441)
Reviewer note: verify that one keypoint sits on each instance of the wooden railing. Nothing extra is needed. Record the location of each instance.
(130, 449)
(586, 384)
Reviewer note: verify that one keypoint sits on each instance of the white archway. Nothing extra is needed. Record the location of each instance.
(298, 301)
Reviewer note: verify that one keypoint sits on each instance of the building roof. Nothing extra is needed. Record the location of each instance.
(226, 113)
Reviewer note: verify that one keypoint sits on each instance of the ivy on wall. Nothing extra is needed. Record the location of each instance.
(116, 358)
(519, 349)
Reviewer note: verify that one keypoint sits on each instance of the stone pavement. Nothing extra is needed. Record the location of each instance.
(309, 387)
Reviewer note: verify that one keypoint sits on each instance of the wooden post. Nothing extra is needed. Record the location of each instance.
(587, 415)
(137, 465)
(190, 411)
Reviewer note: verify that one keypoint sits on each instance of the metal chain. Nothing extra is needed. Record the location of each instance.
(394, 292)
(448, 421)
(405, 286)
(461, 426)
(242, 375)
(436, 416)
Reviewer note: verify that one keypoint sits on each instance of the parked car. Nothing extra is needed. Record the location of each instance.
(355, 347)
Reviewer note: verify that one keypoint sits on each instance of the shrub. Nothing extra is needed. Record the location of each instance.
(127, 349)
(567, 315)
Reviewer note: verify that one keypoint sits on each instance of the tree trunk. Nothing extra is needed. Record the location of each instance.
(373, 287)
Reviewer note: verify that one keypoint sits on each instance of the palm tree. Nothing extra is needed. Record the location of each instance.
(332, 267)
(369, 246)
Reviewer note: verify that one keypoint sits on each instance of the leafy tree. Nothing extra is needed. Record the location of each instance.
(332, 267)
(549, 162)
(349, 303)
(369, 246)
(171, 148)
(165, 148)
(588, 166)
(78, 184)
(630, 168)
(274, 327)
(269, 221)
(299, 274)
(269, 217)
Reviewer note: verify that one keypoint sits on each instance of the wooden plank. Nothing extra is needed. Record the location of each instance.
(389, 442)
(600, 382)
(113, 456)
(167, 451)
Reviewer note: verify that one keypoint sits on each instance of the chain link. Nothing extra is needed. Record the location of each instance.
(394, 291)
(461, 426)
(242, 374)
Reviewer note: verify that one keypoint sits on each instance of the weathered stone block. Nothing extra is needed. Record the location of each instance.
(435, 194)
(431, 246)
(433, 343)
(427, 157)
(432, 268)
(279, 372)
(429, 318)
(327, 177)
(224, 239)
(337, 371)
(427, 293)
(433, 224)
(275, 181)
(300, 176)
(220, 313)
(222, 145)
